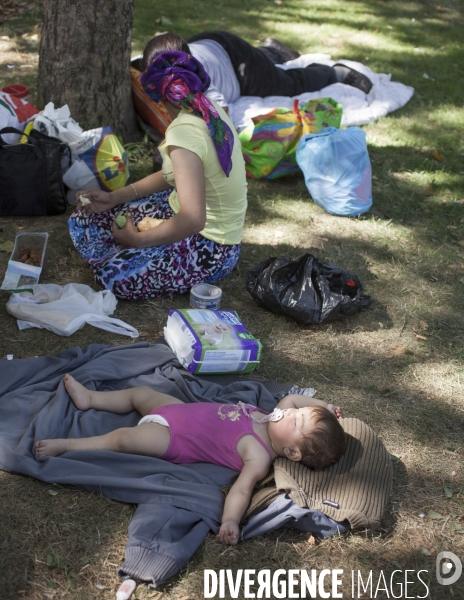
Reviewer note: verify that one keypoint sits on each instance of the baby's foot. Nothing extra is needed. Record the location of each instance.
(79, 394)
(49, 448)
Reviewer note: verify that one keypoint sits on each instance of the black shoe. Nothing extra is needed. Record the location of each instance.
(285, 52)
(356, 79)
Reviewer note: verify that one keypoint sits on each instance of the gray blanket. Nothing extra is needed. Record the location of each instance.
(34, 405)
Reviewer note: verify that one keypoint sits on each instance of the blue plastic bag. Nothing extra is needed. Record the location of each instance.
(337, 170)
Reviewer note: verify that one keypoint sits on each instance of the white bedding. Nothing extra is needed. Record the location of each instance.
(358, 108)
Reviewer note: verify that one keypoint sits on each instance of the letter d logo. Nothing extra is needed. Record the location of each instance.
(445, 563)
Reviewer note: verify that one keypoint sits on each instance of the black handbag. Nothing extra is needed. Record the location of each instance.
(31, 177)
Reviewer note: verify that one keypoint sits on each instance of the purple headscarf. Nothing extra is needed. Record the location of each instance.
(180, 79)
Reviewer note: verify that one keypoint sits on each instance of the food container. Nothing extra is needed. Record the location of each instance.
(18, 90)
(26, 262)
(204, 295)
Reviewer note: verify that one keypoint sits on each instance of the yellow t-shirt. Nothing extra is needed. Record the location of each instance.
(226, 197)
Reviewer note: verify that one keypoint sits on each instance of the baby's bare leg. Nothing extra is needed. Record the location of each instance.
(149, 439)
(143, 399)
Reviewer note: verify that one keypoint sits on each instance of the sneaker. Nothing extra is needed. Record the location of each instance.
(285, 52)
(356, 79)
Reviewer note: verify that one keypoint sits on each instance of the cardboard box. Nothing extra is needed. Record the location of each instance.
(21, 275)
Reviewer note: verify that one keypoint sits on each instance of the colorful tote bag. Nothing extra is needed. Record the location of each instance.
(269, 143)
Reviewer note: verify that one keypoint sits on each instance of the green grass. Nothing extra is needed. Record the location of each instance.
(409, 251)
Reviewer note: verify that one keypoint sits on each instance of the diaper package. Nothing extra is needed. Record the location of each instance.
(211, 341)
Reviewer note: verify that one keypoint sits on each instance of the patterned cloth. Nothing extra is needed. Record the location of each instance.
(141, 273)
(302, 391)
(180, 79)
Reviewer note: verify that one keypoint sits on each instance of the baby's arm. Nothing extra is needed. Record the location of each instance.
(300, 401)
(238, 499)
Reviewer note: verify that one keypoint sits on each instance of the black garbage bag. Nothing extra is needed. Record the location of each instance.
(306, 289)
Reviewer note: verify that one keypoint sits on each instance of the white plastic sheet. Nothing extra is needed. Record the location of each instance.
(65, 309)
(358, 108)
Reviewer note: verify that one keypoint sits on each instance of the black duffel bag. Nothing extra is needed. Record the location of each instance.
(31, 177)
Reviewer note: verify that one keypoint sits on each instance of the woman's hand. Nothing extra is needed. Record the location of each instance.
(229, 533)
(191, 217)
(129, 236)
(99, 201)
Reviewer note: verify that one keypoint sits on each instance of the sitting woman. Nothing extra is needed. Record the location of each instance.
(199, 196)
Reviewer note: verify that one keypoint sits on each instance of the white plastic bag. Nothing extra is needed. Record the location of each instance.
(14, 112)
(79, 177)
(65, 309)
(104, 155)
(57, 122)
(99, 161)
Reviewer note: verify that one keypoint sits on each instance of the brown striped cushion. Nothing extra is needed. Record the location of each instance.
(359, 483)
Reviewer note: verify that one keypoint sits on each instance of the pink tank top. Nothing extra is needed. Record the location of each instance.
(207, 432)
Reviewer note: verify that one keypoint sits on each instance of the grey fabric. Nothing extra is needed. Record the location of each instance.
(276, 389)
(283, 513)
(34, 405)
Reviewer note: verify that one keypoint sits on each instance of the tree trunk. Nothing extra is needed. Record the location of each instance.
(84, 60)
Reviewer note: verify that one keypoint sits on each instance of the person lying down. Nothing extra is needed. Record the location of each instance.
(241, 436)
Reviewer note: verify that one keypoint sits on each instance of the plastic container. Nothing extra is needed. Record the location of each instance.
(204, 295)
(17, 89)
(126, 589)
(20, 275)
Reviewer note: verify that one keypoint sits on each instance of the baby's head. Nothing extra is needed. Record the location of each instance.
(311, 435)
(325, 443)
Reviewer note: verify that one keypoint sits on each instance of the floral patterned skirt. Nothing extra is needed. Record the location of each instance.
(141, 273)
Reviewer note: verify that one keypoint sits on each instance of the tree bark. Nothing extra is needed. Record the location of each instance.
(84, 61)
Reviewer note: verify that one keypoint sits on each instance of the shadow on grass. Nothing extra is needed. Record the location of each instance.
(62, 543)
(427, 420)
(355, 254)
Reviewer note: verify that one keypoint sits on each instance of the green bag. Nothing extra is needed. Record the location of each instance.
(269, 143)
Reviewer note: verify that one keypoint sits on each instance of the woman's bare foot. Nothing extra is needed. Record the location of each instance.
(50, 448)
(79, 394)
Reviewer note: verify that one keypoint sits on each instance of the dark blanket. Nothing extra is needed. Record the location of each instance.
(34, 405)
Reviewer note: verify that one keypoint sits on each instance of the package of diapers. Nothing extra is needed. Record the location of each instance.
(211, 341)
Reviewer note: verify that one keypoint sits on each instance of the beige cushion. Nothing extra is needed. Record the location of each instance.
(359, 483)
